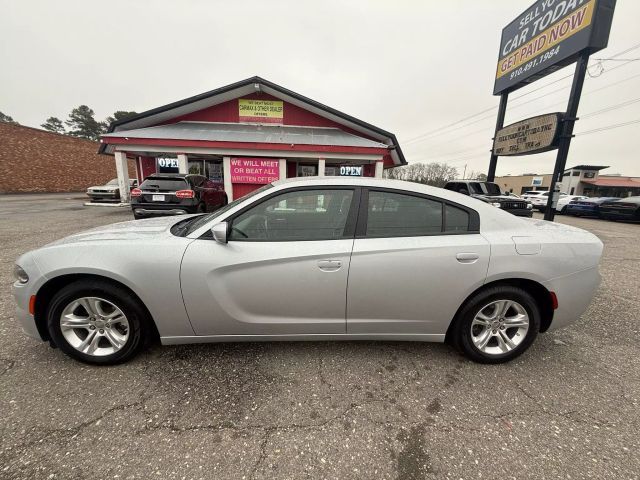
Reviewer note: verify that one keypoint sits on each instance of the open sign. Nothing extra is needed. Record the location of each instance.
(351, 171)
(168, 162)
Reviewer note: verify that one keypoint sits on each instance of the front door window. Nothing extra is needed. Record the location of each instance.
(298, 215)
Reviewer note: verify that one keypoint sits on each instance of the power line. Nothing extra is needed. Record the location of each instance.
(611, 108)
(439, 129)
(590, 114)
(608, 127)
(537, 98)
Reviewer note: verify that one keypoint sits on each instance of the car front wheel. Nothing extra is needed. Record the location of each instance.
(96, 322)
(497, 325)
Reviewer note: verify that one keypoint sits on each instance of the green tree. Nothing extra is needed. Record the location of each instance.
(7, 119)
(82, 123)
(116, 117)
(54, 124)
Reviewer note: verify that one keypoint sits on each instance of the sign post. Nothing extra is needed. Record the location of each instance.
(567, 133)
(546, 37)
(493, 161)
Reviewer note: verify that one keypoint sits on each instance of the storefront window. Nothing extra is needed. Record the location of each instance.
(196, 167)
(214, 171)
(307, 170)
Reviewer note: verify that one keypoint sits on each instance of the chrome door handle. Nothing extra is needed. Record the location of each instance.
(467, 257)
(329, 265)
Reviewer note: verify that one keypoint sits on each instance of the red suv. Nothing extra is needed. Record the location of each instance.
(176, 194)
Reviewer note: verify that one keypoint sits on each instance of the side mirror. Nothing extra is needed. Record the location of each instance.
(219, 231)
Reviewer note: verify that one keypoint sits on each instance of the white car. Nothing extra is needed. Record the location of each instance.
(319, 258)
(539, 202)
(532, 193)
(564, 201)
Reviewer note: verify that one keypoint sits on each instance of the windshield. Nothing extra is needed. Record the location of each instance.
(112, 182)
(195, 223)
(485, 188)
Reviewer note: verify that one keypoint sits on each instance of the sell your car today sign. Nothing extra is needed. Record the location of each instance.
(548, 36)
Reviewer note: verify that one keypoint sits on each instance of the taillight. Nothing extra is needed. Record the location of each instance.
(185, 194)
(136, 192)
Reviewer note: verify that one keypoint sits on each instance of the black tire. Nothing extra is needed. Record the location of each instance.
(460, 332)
(137, 318)
(202, 208)
(136, 216)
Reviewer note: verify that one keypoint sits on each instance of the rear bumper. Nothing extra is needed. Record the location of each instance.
(575, 293)
(157, 212)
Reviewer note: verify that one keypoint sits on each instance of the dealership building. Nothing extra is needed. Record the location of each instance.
(579, 180)
(248, 134)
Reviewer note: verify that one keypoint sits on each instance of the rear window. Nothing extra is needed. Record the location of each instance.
(164, 184)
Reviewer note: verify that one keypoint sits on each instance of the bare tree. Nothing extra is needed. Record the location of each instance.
(434, 174)
(473, 175)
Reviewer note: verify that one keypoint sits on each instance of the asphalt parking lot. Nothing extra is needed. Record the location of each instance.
(568, 408)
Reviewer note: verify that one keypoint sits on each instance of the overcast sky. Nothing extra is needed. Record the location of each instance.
(410, 67)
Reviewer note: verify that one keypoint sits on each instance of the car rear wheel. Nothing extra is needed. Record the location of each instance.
(497, 325)
(97, 322)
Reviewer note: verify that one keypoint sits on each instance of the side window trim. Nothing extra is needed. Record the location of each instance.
(363, 213)
(349, 228)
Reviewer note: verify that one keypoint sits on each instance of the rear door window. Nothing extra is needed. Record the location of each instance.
(397, 215)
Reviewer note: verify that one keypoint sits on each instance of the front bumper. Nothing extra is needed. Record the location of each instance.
(519, 212)
(104, 196)
(618, 215)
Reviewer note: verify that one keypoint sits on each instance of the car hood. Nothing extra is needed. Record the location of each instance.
(132, 230)
(105, 187)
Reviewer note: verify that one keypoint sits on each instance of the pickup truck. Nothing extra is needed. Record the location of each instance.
(490, 192)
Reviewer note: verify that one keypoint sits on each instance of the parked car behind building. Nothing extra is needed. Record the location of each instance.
(176, 194)
(109, 192)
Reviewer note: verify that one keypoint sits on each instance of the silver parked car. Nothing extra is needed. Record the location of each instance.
(324, 258)
(108, 192)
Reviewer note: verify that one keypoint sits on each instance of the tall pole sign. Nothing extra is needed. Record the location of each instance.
(546, 37)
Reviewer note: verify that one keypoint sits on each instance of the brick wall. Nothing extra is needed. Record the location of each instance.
(33, 160)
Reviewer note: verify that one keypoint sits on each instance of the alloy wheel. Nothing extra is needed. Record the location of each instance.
(94, 326)
(499, 327)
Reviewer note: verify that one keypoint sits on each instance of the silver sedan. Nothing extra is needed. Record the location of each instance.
(325, 258)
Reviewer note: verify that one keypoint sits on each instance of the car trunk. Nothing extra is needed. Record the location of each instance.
(162, 190)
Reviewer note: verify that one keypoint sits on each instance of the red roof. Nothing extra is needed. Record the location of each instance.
(614, 182)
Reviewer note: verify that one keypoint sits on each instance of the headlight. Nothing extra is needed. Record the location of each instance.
(496, 204)
(529, 206)
(19, 274)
